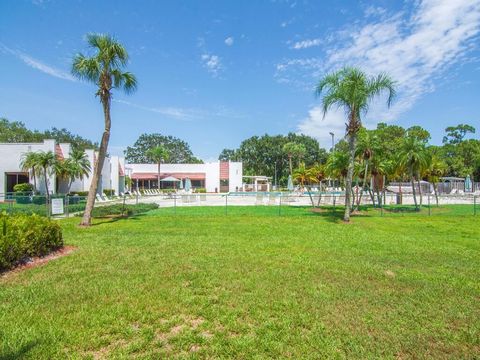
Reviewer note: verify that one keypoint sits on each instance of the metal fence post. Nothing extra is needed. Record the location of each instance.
(474, 205)
(66, 205)
(381, 203)
(280, 205)
(429, 209)
(175, 204)
(333, 203)
(136, 198)
(226, 204)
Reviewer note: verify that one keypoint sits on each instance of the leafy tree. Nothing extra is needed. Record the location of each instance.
(178, 150)
(353, 90)
(229, 155)
(419, 133)
(105, 69)
(15, 131)
(456, 134)
(158, 154)
(337, 165)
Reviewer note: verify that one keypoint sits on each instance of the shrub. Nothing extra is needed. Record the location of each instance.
(120, 209)
(201, 190)
(80, 193)
(23, 236)
(109, 192)
(25, 187)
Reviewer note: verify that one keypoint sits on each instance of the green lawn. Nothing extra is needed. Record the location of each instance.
(253, 284)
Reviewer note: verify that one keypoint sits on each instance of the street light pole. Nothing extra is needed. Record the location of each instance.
(333, 140)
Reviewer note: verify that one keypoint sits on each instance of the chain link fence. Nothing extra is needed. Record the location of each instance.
(259, 203)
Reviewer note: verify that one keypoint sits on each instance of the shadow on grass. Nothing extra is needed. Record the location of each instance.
(19, 353)
(102, 220)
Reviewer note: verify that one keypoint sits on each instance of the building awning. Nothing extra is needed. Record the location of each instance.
(170, 178)
(154, 176)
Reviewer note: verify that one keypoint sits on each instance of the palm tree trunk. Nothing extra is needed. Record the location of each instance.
(34, 179)
(412, 180)
(290, 163)
(435, 191)
(97, 171)
(158, 177)
(348, 181)
(364, 183)
(47, 194)
(420, 190)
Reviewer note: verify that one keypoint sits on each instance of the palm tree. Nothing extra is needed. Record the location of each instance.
(105, 69)
(337, 165)
(46, 161)
(435, 168)
(77, 166)
(413, 157)
(353, 90)
(294, 150)
(367, 147)
(303, 175)
(29, 163)
(158, 154)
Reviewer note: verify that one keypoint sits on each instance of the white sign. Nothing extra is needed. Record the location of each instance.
(57, 206)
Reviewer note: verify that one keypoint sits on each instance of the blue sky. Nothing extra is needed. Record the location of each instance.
(214, 73)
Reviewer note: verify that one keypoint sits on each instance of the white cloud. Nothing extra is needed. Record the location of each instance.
(37, 64)
(414, 49)
(307, 43)
(186, 114)
(213, 63)
(229, 41)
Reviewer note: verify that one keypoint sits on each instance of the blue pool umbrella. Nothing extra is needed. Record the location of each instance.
(290, 183)
(188, 184)
(468, 183)
(180, 184)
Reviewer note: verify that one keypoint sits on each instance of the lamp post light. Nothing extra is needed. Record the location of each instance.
(333, 140)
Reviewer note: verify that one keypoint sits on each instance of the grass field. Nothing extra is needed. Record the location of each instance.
(252, 284)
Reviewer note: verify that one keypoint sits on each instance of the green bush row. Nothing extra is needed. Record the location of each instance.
(23, 236)
(119, 209)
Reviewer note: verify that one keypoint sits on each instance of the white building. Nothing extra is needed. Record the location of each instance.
(11, 173)
(220, 176)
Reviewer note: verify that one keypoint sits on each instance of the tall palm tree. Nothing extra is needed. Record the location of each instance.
(353, 90)
(158, 154)
(29, 163)
(294, 150)
(105, 69)
(46, 161)
(77, 166)
(413, 157)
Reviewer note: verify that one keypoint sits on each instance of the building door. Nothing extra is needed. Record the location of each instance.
(14, 179)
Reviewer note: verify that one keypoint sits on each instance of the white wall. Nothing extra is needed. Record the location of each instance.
(11, 157)
(235, 176)
(211, 171)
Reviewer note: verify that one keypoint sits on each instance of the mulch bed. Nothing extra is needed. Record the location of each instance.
(39, 261)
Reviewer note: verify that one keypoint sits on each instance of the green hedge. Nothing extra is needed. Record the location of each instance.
(119, 209)
(24, 187)
(23, 236)
(109, 192)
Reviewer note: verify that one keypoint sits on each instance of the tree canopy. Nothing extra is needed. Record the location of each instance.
(16, 131)
(178, 150)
